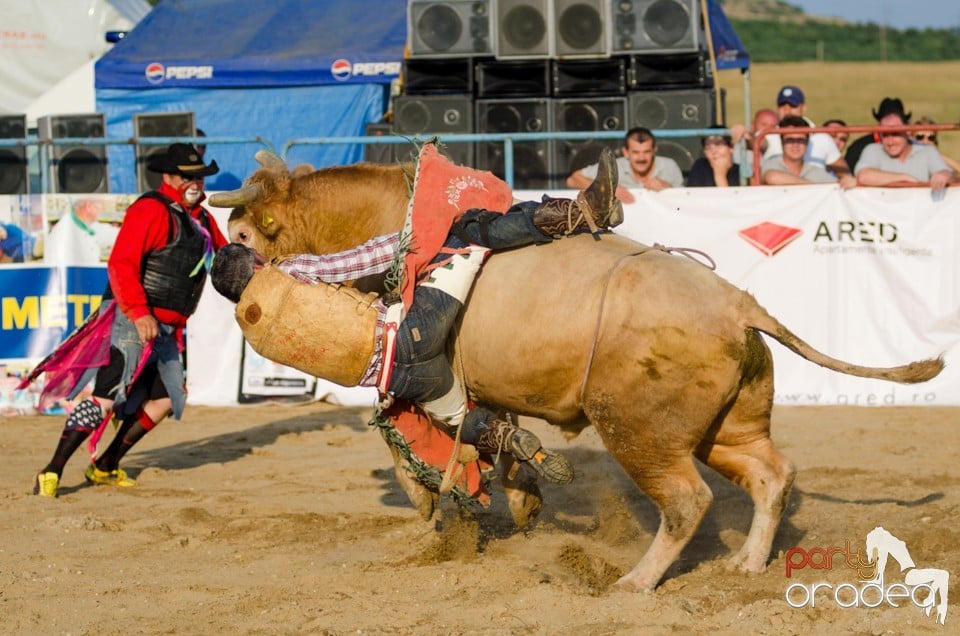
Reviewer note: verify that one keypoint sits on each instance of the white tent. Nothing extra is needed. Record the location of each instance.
(47, 41)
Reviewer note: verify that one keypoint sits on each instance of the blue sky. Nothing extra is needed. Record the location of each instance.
(900, 14)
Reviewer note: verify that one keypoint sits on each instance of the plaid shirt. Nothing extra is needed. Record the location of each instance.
(373, 257)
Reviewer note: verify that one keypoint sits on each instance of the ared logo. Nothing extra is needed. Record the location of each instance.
(340, 70)
(154, 72)
(769, 237)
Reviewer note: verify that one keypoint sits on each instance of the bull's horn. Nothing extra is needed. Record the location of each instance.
(266, 159)
(235, 198)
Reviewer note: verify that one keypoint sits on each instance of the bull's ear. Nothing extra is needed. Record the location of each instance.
(268, 221)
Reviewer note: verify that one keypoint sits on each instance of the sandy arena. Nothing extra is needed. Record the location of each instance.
(286, 519)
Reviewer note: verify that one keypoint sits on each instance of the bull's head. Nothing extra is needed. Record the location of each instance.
(260, 202)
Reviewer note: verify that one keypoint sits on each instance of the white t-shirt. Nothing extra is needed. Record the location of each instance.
(664, 168)
(920, 164)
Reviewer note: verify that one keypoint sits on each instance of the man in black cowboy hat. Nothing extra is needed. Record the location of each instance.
(888, 105)
(156, 274)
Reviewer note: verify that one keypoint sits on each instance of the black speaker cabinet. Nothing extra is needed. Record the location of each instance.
(683, 150)
(532, 160)
(429, 77)
(425, 115)
(75, 168)
(451, 28)
(586, 115)
(513, 78)
(656, 26)
(178, 124)
(589, 77)
(677, 109)
(679, 70)
(379, 153)
(13, 160)
(524, 29)
(581, 28)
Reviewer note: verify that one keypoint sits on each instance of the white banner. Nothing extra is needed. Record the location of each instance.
(869, 276)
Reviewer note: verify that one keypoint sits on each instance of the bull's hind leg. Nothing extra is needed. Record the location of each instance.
(683, 498)
(739, 448)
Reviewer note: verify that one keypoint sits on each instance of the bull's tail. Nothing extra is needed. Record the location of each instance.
(919, 371)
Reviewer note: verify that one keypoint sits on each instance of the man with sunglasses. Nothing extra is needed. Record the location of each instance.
(898, 159)
(791, 168)
(131, 349)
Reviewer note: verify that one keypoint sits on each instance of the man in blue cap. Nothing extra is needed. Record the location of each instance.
(821, 148)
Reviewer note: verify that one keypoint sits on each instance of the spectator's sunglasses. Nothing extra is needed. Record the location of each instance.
(926, 136)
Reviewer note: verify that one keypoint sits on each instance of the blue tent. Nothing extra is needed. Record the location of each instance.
(282, 70)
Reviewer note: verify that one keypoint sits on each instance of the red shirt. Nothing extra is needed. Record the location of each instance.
(145, 228)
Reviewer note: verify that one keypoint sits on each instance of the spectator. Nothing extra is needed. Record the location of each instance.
(840, 137)
(887, 106)
(716, 167)
(821, 148)
(896, 159)
(743, 142)
(930, 137)
(639, 167)
(73, 240)
(16, 245)
(790, 168)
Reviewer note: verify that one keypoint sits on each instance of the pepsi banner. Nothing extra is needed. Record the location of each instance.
(40, 306)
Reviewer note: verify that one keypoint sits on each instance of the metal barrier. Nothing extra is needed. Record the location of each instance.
(508, 139)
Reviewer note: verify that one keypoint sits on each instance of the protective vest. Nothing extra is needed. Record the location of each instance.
(166, 272)
(328, 331)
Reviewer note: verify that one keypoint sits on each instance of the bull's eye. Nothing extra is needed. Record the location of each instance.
(243, 237)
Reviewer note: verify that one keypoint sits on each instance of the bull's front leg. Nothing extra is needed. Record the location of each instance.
(422, 498)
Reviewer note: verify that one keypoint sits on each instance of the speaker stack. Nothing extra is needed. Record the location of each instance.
(145, 125)
(501, 66)
(13, 160)
(75, 168)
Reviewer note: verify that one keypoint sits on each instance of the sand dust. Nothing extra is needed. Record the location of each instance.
(286, 519)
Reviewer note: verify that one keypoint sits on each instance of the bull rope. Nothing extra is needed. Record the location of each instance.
(688, 252)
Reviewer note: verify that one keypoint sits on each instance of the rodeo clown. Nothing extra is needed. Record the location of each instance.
(131, 348)
(367, 342)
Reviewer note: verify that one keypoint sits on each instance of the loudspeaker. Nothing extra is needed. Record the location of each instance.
(524, 29)
(678, 109)
(532, 160)
(428, 77)
(13, 160)
(450, 28)
(590, 77)
(581, 28)
(586, 115)
(437, 115)
(80, 169)
(513, 79)
(157, 125)
(683, 150)
(655, 26)
(682, 70)
(379, 153)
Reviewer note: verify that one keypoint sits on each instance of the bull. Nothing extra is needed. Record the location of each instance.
(661, 355)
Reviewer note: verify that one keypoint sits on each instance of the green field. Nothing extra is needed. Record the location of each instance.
(850, 90)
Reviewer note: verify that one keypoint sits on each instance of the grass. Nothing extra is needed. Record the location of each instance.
(851, 90)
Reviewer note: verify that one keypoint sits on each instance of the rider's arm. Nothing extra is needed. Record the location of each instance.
(373, 257)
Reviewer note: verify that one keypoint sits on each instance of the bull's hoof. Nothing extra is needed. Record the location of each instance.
(523, 492)
(743, 563)
(633, 585)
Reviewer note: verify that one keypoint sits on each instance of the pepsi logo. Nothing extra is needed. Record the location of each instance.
(154, 72)
(340, 70)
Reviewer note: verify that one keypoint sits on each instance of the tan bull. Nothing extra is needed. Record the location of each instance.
(659, 353)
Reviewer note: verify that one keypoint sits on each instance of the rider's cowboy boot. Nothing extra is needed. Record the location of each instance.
(526, 447)
(597, 207)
